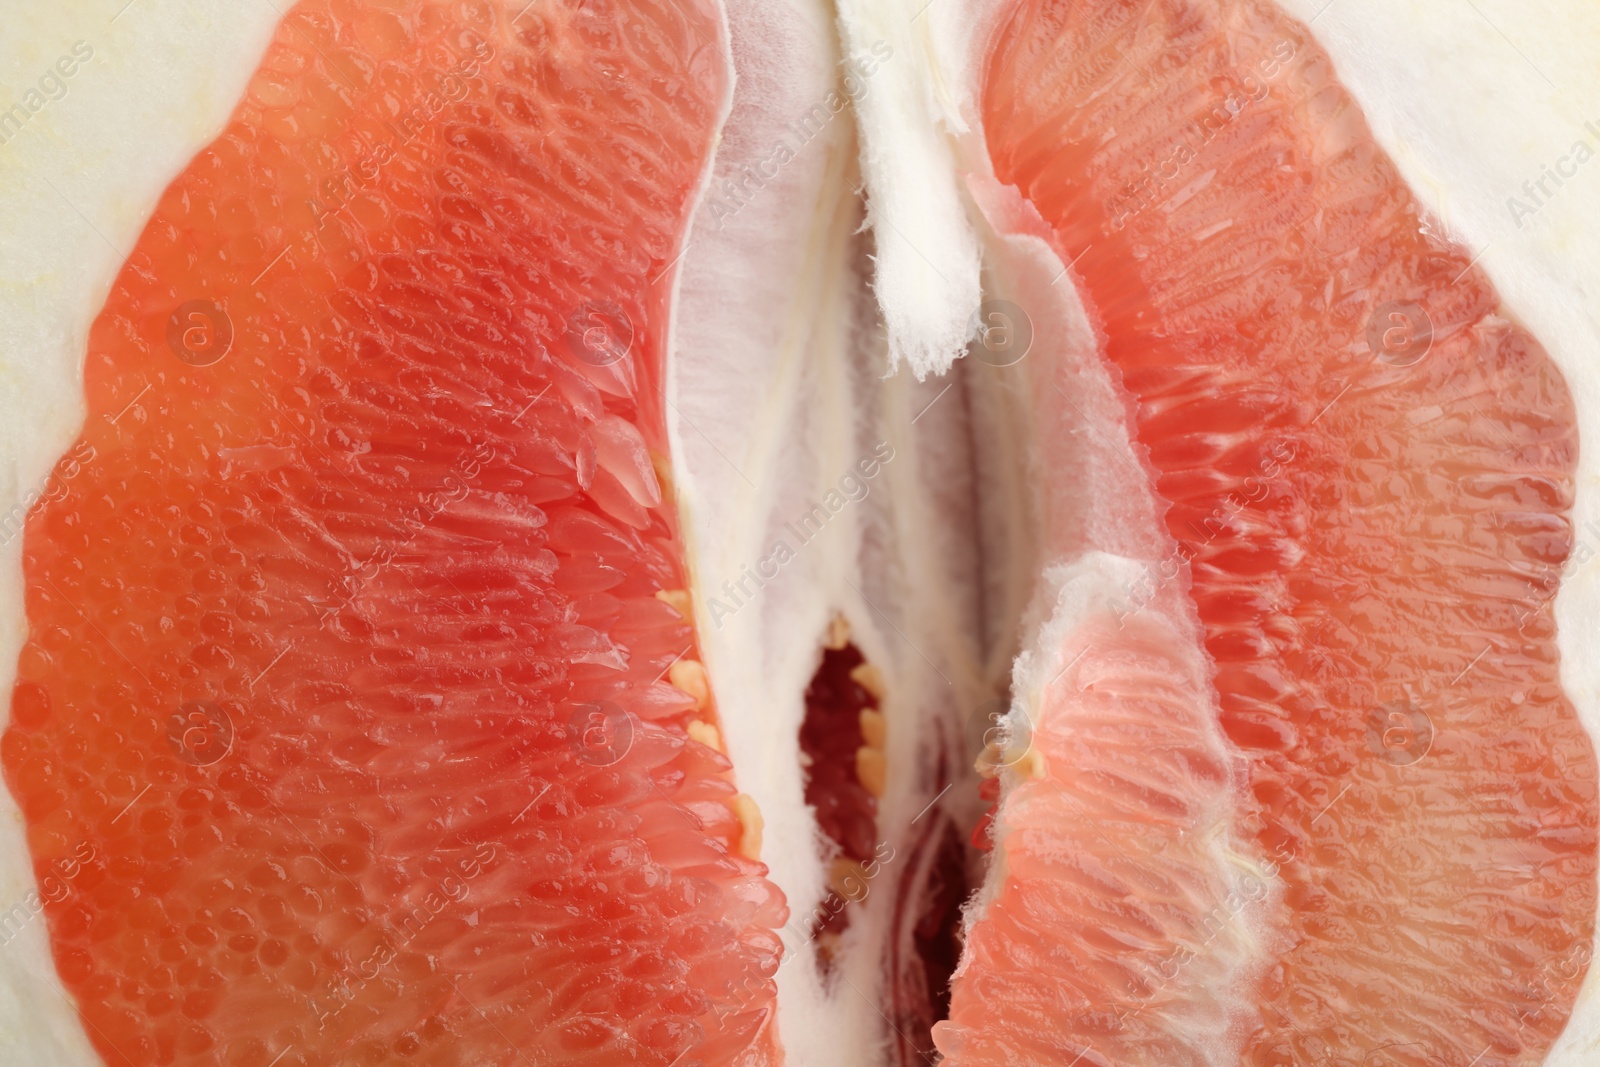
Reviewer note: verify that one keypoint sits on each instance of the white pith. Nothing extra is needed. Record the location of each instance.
(778, 352)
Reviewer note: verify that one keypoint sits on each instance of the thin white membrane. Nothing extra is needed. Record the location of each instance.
(84, 156)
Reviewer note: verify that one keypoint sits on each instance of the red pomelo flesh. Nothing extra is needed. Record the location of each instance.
(1131, 940)
(1371, 540)
(403, 542)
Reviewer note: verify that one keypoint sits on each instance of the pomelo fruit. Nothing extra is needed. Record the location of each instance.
(492, 576)
(1283, 324)
(316, 835)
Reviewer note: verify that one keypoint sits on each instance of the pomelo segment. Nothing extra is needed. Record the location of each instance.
(1127, 911)
(1121, 926)
(1367, 472)
(357, 653)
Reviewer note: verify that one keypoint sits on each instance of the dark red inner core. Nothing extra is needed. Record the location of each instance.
(829, 737)
(931, 868)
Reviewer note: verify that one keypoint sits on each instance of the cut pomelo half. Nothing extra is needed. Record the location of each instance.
(1365, 471)
(496, 612)
(358, 658)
